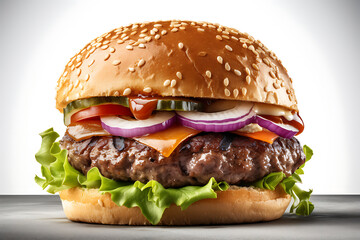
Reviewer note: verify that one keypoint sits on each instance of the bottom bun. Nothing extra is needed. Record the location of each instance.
(235, 205)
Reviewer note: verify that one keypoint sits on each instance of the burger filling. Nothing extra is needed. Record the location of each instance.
(142, 149)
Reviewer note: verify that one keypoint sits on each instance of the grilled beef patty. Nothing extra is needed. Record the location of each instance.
(224, 156)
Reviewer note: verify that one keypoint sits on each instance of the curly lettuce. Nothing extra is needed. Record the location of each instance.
(152, 198)
(301, 205)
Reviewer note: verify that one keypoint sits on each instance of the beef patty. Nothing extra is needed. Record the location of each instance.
(224, 156)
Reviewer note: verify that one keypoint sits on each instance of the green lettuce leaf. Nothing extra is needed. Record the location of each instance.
(152, 198)
(301, 205)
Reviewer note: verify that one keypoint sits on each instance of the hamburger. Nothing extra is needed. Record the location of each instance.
(176, 123)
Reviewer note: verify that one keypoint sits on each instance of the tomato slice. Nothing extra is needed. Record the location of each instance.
(100, 110)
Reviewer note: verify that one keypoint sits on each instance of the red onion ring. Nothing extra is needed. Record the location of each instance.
(283, 130)
(134, 128)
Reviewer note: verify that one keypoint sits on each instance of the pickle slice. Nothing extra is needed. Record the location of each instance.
(163, 104)
(178, 105)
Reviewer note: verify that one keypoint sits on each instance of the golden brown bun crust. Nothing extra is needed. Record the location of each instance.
(236, 205)
(177, 58)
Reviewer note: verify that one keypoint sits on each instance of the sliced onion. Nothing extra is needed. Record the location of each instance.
(129, 127)
(229, 120)
(283, 130)
(233, 119)
(236, 113)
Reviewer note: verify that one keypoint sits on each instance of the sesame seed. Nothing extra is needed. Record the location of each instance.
(201, 30)
(236, 92)
(258, 60)
(147, 89)
(129, 47)
(266, 61)
(152, 32)
(202, 54)
(227, 92)
(163, 32)
(127, 91)
(155, 29)
(272, 74)
(107, 56)
(227, 67)
(276, 85)
(174, 29)
(116, 62)
(91, 63)
(120, 41)
(141, 45)
(142, 35)
(166, 83)
(126, 38)
(247, 71)
(78, 64)
(244, 45)
(106, 42)
(133, 33)
(208, 74)
(78, 72)
(87, 55)
(148, 38)
(77, 83)
(157, 25)
(251, 47)
(243, 91)
(283, 84)
(116, 93)
(220, 59)
(218, 37)
(225, 32)
(65, 74)
(248, 79)
(157, 36)
(226, 82)
(131, 69)
(141, 63)
(144, 30)
(255, 66)
(182, 28)
(237, 72)
(173, 83)
(181, 45)
(112, 50)
(87, 77)
(235, 38)
(228, 48)
(179, 75)
(225, 36)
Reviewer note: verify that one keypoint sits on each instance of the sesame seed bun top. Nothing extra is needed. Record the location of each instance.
(180, 59)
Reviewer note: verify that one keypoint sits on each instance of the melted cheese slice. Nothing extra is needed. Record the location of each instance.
(264, 135)
(166, 141)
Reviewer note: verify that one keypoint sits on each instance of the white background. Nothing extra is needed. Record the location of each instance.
(317, 41)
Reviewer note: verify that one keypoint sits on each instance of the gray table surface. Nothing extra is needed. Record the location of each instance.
(41, 217)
